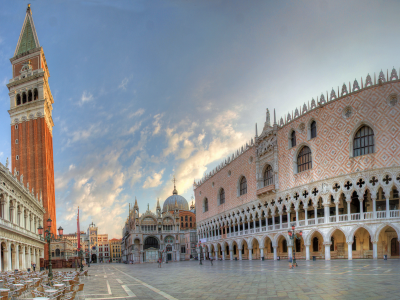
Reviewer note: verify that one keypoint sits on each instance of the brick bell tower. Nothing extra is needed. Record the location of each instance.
(31, 121)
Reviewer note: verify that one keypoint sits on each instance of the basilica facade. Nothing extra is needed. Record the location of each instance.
(149, 236)
(330, 169)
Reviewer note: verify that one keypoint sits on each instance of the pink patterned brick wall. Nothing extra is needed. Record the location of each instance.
(244, 165)
(331, 155)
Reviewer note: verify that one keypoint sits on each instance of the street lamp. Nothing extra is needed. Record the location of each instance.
(293, 236)
(49, 237)
(200, 248)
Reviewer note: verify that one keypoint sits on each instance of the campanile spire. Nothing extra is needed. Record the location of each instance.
(31, 105)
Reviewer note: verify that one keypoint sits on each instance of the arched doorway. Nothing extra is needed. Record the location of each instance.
(94, 258)
(268, 249)
(256, 249)
(169, 243)
(150, 247)
(362, 247)
(338, 247)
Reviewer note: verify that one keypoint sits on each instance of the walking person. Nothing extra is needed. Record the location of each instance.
(211, 260)
(34, 267)
(159, 262)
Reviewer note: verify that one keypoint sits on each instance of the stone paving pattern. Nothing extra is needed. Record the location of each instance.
(336, 279)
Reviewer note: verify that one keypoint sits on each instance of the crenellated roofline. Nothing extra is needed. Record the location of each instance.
(321, 101)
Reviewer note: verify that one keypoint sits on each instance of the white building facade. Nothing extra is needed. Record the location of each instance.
(21, 213)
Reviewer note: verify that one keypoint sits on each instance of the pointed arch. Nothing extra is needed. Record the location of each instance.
(383, 226)
(350, 236)
(307, 238)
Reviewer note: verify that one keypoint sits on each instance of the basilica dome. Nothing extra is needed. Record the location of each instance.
(169, 203)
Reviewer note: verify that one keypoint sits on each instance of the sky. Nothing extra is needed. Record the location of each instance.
(147, 90)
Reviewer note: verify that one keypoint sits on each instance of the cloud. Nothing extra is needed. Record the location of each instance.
(137, 113)
(86, 97)
(95, 186)
(194, 154)
(83, 134)
(124, 83)
(154, 181)
(156, 123)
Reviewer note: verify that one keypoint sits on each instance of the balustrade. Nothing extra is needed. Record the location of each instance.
(342, 218)
(381, 214)
(368, 215)
(332, 219)
(246, 231)
(284, 225)
(270, 227)
(355, 217)
(394, 213)
(257, 229)
(302, 222)
(264, 228)
(311, 221)
(321, 220)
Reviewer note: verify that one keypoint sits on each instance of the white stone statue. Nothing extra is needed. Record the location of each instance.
(7, 163)
(22, 178)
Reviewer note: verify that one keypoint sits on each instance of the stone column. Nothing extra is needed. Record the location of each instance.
(223, 255)
(297, 217)
(350, 250)
(254, 225)
(290, 252)
(17, 257)
(288, 218)
(259, 223)
(216, 254)
(280, 220)
(204, 255)
(7, 263)
(250, 253)
(10, 264)
(375, 250)
(361, 208)
(373, 197)
(348, 210)
(248, 226)
(240, 253)
(315, 215)
(275, 252)
(261, 253)
(234, 229)
(231, 254)
(307, 252)
(337, 211)
(238, 228)
(328, 251)
(387, 194)
(326, 213)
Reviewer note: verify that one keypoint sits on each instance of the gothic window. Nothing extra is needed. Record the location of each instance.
(18, 99)
(243, 186)
(313, 129)
(35, 94)
(304, 161)
(293, 139)
(363, 141)
(354, 246)
(205, 205)
(284, 246)
(29, 96)
(222, 196)
(268, 176)
(57, 252)
(315, 244)
(23, 97)
(332, 244)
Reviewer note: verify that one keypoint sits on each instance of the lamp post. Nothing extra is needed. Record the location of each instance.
(293, 236)
(200, 248)
(49, 237)
(81, 256)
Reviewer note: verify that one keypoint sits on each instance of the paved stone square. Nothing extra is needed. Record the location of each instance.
(336, 279)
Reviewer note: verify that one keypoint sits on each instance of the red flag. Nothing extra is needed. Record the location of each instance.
(79, 233)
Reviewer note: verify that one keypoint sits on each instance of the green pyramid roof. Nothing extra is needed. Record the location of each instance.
(28, 38)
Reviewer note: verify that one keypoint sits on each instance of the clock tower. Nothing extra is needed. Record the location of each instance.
(31, 119)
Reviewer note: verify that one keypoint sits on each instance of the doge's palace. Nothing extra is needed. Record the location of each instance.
(331, 168)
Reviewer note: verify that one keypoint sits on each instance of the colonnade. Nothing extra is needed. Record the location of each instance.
(16, 255)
